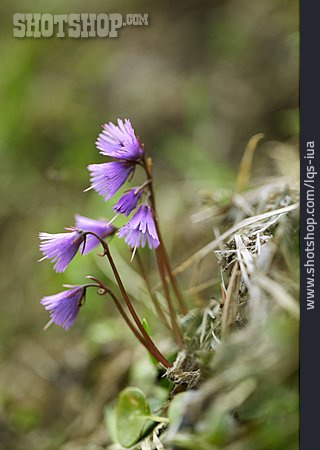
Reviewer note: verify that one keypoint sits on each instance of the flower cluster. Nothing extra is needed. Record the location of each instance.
(120, 143)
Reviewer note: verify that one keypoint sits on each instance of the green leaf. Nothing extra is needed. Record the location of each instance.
(146, 326)
(132, 415)
(147, 329)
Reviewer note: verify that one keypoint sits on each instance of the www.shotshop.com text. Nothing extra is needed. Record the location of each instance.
(309, 238)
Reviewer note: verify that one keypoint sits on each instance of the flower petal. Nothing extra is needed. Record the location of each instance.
(107, 178)
(119, 141)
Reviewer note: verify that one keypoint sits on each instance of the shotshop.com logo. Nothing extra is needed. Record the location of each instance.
(74, 25)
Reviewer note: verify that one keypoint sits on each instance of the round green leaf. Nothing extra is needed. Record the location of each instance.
(132, 414)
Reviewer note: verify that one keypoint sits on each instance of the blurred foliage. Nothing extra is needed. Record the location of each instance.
(197, 82)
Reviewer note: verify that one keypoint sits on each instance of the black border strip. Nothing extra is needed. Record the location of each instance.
(309, 243)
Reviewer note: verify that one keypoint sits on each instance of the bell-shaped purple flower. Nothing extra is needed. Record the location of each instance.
(100, 227)
(107, 178)
(64, 307)
(60, 248)
(119, 141)
(140, 229)
(128, 202)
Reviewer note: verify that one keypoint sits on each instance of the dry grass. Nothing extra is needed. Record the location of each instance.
(246, 340)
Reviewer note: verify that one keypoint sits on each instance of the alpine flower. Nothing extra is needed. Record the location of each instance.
(128, 202)
(64, 307)
(119, 141)
(61, 247)
(107, 178)
(140, 229)
(100, 227)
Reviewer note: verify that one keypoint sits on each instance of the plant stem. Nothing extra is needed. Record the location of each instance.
(174, 323)
(151, 345)
(128, 321)
(153, 348)
(153, 296)
(119, 307)
(182, 305)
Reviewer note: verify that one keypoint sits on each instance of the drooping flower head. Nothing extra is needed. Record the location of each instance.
(64, 307)
(100, 227)
(128, 202)
(61, 247)
(119, 141)
(107, 178)
(140, 229)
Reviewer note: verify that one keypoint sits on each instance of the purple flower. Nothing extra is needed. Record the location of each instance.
(119, 141)
(60, 248)
(128, 202)
(107, 178)
(64, 307)
(140, 229)
(99, 227)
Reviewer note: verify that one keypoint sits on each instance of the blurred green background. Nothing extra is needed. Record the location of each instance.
(197, 82)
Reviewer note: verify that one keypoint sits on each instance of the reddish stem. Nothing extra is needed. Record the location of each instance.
(153, 348)
(182, 305)
(128, 321)
(174, 323)
(151, 345)
(153, 296)
(120, 309)
(166, 260)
